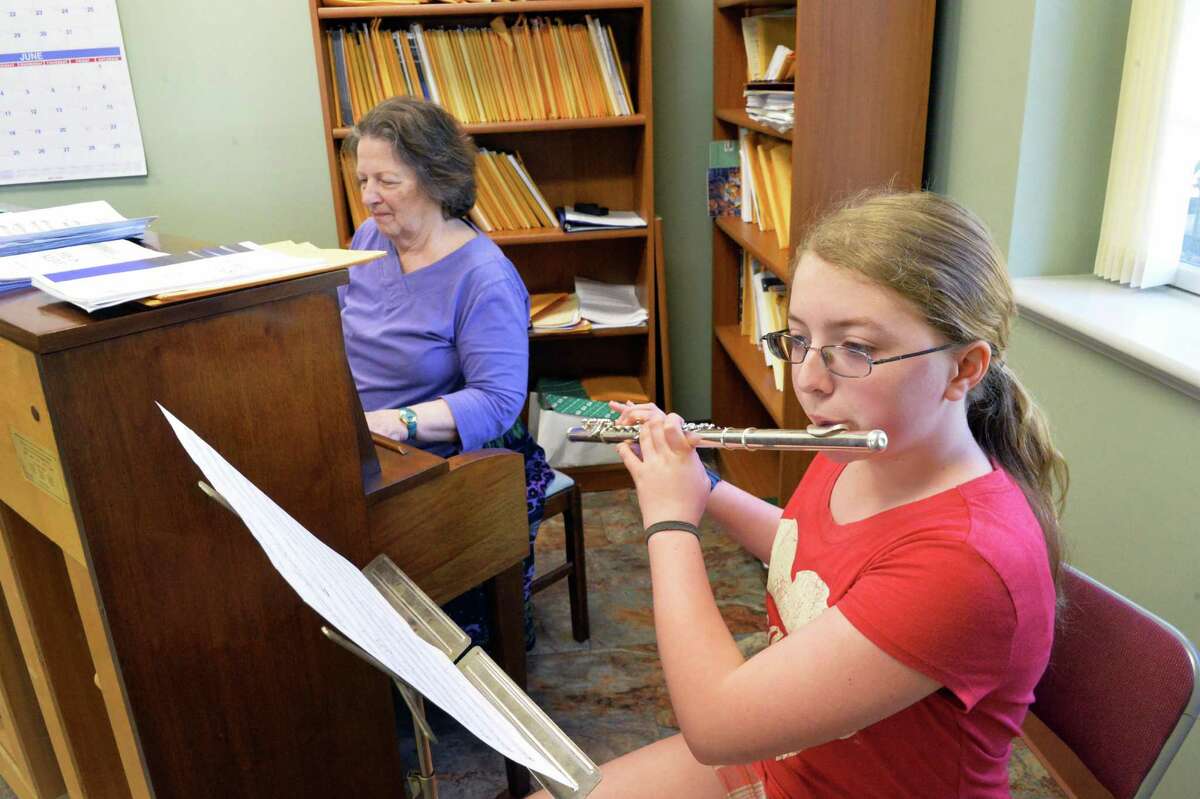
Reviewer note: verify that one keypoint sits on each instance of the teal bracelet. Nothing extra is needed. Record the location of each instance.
(683, 527)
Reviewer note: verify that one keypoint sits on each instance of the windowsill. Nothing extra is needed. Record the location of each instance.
(1154, 331)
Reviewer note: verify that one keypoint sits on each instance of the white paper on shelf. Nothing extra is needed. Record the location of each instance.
(609, 304)
(334, 588)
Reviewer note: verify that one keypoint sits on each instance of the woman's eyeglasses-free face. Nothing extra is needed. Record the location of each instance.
(839, 360)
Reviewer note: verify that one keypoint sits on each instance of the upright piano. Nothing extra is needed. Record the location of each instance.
(147, 646)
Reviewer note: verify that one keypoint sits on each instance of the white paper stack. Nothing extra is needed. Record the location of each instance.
(65, 226)
(771, 107)
(609, 304)
(102, 286)
(16, 271)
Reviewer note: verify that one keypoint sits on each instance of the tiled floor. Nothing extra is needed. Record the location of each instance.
(608, 694)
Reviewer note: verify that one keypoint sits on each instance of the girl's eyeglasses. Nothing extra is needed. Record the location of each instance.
(839, 360)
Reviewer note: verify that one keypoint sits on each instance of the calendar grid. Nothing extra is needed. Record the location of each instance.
(67, 110)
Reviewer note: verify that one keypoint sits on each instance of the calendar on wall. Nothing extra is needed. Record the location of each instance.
(66, 101)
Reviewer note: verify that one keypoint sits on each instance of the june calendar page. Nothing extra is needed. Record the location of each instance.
(66, 102)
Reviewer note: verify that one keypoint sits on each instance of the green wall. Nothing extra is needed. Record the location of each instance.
(682, 131)
(227, 101)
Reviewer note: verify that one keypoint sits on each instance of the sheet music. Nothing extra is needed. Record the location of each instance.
(81, 256)
(334, 588)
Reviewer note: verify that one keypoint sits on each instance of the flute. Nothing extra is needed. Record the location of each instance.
(829, 437)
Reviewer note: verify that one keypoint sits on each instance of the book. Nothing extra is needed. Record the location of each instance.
(573, 221)
(537, 68)
(724, 179)
(761, 34)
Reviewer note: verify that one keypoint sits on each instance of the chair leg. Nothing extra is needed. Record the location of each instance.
(576, 555)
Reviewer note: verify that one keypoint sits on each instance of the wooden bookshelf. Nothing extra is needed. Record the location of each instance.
(538, 126)
(605, 160)
(739, 117)
(861, 99)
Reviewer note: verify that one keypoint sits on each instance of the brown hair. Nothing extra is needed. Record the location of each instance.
(941, 258)
(426, 138)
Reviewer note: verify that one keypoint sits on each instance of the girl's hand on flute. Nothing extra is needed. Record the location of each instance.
(670, 480)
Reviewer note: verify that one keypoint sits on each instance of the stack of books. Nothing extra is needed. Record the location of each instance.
(536, 69)
(506, 198)
(763, 309)
(766, 172)
(769, 39)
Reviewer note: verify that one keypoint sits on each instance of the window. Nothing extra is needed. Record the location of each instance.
(1150, 233)
(1188, 274)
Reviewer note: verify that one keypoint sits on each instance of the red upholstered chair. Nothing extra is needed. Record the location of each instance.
(1120, 694)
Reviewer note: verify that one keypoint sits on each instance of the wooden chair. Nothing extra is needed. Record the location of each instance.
(1118, 698)
(563, 496)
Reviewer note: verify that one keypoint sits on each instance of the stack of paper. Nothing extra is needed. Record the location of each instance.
(573, 221)
(65, 226)
(93, 288)
(556, 311)
(772, 104)
(609, 304)
(16, 271)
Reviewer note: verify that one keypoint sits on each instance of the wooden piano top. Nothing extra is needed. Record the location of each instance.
(39, 323)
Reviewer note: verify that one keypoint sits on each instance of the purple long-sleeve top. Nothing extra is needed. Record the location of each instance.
(456, 329)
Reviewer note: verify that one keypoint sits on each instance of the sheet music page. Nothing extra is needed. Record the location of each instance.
(339, 592)
(41, 220)
(81, 256)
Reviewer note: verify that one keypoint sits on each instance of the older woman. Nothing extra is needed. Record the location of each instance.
(436, 330)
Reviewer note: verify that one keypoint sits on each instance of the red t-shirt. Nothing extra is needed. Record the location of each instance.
(956, 586)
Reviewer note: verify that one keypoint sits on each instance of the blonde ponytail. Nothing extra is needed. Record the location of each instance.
(1012, 430)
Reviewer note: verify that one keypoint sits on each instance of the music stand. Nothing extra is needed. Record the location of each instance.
(434, 627)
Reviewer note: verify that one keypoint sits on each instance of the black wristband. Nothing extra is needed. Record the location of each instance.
(683, 527)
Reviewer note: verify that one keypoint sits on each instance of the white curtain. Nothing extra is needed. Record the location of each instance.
(1156, 145)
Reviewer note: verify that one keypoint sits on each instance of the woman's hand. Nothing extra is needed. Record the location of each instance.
(670, 480)
(387, 423)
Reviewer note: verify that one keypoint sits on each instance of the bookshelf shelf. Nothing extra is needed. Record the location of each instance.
(477, 9)
(763, 245)
(739, 117)
(545, 236)
(862, 89)
(595, 332)
(749, 362)
(605, 160)
(538, 125)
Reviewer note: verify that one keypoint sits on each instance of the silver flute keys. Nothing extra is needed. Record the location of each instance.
(829, 437)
